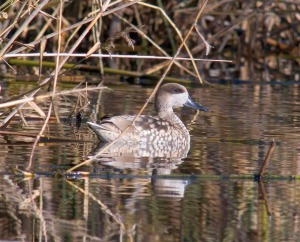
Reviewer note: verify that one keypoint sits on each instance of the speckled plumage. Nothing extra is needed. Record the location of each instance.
(164, 132)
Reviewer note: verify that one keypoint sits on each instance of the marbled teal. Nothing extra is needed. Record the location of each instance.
(164, 131)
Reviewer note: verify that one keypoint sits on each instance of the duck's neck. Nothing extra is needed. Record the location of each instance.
(171, 117)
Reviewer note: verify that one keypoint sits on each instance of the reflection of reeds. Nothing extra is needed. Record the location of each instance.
(102, 205)
(35, 214)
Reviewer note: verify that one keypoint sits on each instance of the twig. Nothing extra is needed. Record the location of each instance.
(207, 45)
(39, 136)
(267, 159)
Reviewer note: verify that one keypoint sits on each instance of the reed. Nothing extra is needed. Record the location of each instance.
(172, 32)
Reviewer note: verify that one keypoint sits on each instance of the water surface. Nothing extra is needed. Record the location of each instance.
(156, 199)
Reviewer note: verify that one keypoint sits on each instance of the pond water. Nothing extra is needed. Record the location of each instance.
(156, 199)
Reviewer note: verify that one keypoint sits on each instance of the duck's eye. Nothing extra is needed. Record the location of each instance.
(178, 90)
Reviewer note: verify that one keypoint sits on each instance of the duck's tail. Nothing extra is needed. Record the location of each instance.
(104, 131)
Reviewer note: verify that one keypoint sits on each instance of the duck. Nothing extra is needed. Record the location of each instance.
(162, 134)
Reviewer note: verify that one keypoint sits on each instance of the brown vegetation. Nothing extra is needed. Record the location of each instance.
(252, 34)
(249, 33)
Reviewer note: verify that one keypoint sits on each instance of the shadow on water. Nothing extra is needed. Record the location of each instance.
(207, 194)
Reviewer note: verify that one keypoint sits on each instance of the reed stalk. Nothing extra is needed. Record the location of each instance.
(147, 101)
(101, 13)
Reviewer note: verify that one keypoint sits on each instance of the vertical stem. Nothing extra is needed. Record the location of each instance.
(58, 47)
(267, 158)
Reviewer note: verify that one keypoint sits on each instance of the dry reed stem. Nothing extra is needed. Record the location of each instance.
(17, 15)
(55, 111)
(81, 23)
(179, 33)
(19, 43)
(171, 63)
(85, 55)
(73, 34)
(75, 107)
(64, 60)
(22, 118)
(42, 50)
(95, 47)
(25, 24)
(232, 26)
(147, 72)
(267, 159)
(23, 94)
(208, 9)
(9, 65)
(147, 101)
(97, 30)
(79, 103)
(207, 45)
(57, 66)
(102, 205)
(169, 33)
(140, 24)
(37, 109)
(48, 95)
(39, 136)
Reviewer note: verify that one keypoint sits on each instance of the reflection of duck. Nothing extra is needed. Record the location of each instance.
(168, 187)
(152, 136)
(132, 160)
(144, 170)
(142, 150)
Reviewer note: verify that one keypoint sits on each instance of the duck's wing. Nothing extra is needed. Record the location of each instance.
(143, 121)
(110, 128)
(121, 122)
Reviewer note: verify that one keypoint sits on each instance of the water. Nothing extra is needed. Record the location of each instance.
(157, 199)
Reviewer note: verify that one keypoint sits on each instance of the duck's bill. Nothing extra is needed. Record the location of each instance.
(192, 104)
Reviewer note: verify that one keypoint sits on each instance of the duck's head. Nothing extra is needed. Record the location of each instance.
(172, 95)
